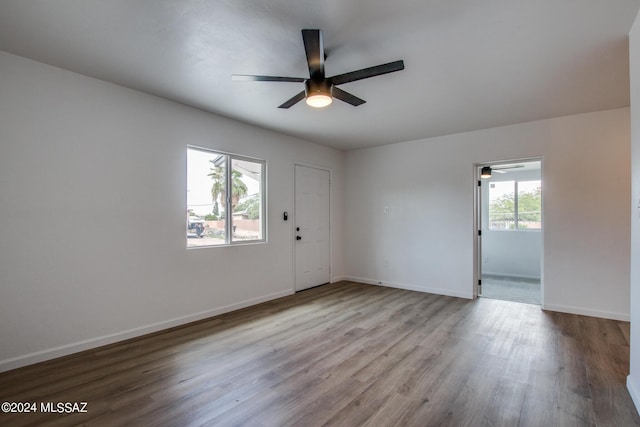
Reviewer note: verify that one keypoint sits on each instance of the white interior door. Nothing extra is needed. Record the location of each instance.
(312, 227)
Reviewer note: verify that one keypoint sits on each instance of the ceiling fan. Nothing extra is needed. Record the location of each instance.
(485, 172)
(320, 90)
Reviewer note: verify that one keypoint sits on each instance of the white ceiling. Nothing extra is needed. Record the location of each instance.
(469, 64)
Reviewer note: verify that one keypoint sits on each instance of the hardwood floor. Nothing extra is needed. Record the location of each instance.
(348, 354)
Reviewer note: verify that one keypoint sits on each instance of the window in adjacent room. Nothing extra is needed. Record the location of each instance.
(515, 205)
(225, 198)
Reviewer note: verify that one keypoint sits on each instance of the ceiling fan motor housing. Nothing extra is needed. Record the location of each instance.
(318, 87)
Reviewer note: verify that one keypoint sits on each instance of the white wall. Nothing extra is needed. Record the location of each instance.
(633, 380)
(513, 253)
(92, 214)
(409, 210)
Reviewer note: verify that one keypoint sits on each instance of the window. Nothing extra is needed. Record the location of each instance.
(225, 198)
(515, 205)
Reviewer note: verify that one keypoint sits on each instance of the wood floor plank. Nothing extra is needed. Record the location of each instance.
(347, 354)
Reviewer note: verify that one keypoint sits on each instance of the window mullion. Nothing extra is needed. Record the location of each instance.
(515, 205)
(229, 196)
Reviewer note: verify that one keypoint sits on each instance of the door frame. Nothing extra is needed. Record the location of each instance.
(477, 220)
(294, 218)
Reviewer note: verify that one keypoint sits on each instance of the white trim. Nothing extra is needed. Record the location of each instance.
(338, 278)
(409, 287)
(634, 391)
(64, 350)
(228, 167)
(477, 224)
(586, 312)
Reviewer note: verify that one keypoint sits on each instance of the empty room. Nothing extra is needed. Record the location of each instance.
(297, 213)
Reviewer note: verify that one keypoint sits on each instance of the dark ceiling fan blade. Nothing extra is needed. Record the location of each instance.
(346, 97)
(365, 73)
(247, 78)
(292, 101)
(314, 48)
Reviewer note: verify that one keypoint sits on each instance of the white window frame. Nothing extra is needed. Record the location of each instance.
(516, 207)
(229, 157)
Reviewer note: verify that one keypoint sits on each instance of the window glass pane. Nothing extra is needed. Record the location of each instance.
(529, 204)
(246, 200)
(206, 183)
(502, 205)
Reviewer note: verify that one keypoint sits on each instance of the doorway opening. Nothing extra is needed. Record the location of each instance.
(509, 219)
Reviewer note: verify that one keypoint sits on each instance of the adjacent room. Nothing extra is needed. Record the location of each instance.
(319, 213)
(510, 231)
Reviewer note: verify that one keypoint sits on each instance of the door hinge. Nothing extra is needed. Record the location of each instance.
(479, 232)
(479, 282)
(479, 183)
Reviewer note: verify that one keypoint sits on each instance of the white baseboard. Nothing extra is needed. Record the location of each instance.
(52, 353)
(634, 391)
(408, 287)
(586, 312)
(338, 279)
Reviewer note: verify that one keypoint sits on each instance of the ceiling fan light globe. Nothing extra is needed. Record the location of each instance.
(318, 100)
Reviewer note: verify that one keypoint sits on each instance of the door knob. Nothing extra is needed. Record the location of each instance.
(298, 237)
